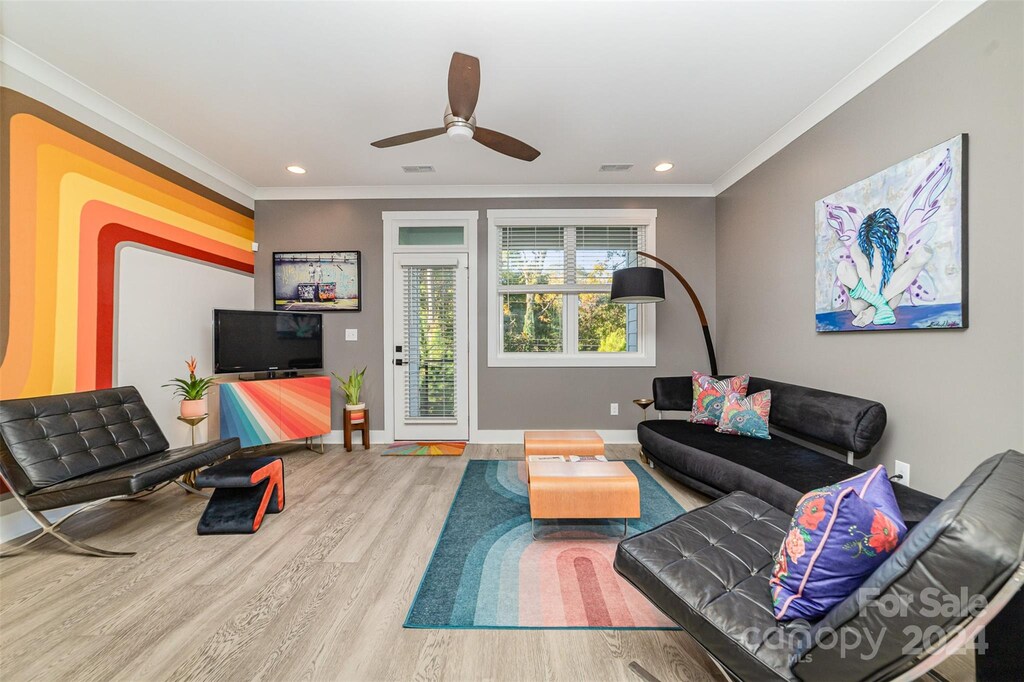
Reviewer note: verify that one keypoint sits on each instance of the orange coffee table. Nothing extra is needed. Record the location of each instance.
(582, 490)
(562, 443)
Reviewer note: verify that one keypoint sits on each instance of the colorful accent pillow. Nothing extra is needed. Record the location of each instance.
(839, 535)
(746, 415)
(709, 396)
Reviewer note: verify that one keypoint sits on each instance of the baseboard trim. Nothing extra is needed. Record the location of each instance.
(337, 437)
(498, 436)
(15, 521)
(487, 436)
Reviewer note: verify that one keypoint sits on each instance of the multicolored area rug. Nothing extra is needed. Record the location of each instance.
(487, 571)
(419, 449)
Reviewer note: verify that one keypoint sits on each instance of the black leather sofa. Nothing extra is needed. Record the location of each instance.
(778, 471)
(709, 569)
(62, 450)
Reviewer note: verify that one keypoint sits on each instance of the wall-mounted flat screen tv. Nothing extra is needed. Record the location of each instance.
(261, 341)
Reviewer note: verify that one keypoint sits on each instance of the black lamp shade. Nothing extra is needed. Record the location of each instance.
(638, 285)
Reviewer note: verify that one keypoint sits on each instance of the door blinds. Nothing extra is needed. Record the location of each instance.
(429, 298)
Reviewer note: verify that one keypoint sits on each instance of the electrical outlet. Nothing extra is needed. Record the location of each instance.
(351, 334)
(615, 409)
(903, 469)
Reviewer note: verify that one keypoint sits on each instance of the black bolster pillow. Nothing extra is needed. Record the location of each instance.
(847, 422)
(673, 393)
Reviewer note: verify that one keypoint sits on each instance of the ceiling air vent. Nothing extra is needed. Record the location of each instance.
(615, 167)
(418, 169)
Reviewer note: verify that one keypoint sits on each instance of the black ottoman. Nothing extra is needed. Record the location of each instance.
(245, 490)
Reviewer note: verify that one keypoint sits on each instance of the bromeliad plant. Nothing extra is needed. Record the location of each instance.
(351, 386)
(193, 388)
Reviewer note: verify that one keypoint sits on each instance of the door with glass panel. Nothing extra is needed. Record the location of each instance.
(431, 350)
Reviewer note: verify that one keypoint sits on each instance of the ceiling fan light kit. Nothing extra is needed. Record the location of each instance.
(459, 129)
(459, 119)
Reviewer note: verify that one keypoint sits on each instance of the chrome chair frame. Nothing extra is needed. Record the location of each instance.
(53, 529)
(46, 527)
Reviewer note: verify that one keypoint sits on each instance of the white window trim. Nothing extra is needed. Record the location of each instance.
(392, 220)
(646, 356)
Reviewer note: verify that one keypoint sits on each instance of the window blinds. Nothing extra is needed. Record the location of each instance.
(532, 255)
(430, 384)
(563, 256)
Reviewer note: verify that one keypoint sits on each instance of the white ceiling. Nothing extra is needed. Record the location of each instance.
(257, 86)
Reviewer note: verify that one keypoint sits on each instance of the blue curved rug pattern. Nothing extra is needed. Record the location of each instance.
(487, 571)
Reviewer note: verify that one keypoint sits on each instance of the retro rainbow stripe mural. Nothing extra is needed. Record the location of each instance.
(71, 197)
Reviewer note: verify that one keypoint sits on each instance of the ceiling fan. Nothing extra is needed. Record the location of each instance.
(459, 121)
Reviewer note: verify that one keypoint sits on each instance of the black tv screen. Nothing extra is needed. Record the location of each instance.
(259, 341)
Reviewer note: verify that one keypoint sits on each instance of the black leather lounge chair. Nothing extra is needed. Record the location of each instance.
(708, 570)
(89, 447)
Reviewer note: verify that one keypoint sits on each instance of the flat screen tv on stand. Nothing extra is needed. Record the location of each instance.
(267, 342)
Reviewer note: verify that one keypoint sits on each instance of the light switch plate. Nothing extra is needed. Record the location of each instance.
(615, 409)
(351, 334)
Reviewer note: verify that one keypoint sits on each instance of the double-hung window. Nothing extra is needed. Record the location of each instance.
(550, 279)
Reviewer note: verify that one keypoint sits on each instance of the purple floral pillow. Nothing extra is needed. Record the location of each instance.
(838, 536)
(709, 396)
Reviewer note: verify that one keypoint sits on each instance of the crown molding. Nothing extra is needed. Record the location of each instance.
(938, 19)
(480, 191)
(34, 67)
(929, 26)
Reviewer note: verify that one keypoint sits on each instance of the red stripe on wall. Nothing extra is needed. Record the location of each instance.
(111, 236)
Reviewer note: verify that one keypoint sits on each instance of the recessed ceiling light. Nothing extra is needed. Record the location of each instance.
(664, 166)
(298, 170)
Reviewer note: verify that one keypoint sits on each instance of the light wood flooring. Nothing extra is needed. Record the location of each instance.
(320, 593)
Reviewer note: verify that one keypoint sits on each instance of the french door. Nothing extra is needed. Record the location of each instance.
(431, 353)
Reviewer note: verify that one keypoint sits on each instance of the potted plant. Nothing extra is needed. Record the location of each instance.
(192, 391)
(352, 386)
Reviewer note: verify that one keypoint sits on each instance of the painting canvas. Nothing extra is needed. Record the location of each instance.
(317, 280)
(890, 249)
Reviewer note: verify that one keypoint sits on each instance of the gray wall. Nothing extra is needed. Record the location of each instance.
(510, 398)
(953, 397)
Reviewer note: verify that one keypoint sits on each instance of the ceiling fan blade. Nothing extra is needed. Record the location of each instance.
(406, 138)
(500, 142)
(463, 85)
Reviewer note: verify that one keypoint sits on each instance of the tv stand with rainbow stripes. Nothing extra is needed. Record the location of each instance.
(272, 410)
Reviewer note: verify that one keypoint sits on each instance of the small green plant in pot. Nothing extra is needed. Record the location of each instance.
(192, 391)
(352, 387)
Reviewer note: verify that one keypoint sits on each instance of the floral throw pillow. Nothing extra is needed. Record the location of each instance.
(746, 415)
(838, 536)
(709, 396)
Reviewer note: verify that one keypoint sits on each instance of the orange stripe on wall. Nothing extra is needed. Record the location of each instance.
(110, 237)
(40, 156)
(95, 216)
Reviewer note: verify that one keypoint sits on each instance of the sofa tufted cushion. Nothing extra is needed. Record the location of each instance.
(968, 547)
(708, 570)
(133, 476)
(53, 439)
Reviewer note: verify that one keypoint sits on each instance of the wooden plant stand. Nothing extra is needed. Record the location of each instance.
(350, 427)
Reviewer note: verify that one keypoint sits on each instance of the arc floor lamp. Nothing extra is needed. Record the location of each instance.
(647, 285)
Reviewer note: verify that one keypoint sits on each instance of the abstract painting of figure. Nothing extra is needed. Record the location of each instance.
(890, 249)
(317, 280)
